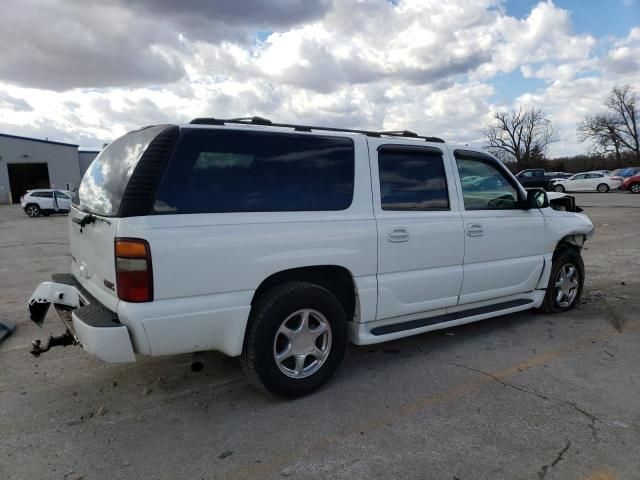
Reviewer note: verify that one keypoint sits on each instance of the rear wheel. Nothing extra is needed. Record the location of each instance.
(635, 188)
(558, 188)
(565, 282)
(32, 210)
(296, 339)
(603, 188)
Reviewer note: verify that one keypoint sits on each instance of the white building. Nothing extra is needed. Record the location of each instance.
(27, 163)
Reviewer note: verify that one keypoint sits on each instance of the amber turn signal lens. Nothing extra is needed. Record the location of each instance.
(130, 249)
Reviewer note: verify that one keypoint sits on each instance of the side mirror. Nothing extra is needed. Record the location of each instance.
(536, 198)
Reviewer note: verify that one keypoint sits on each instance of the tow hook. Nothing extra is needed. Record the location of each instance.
(60, 341)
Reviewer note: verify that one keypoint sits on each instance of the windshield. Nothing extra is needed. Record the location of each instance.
(105, 180)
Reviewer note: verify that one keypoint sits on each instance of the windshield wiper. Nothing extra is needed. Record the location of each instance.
(86, 220)
(83, 221)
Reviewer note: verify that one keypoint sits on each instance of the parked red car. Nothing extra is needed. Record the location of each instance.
(632, 184)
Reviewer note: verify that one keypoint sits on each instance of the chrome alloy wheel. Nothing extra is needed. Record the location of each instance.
(302, 343)
(32, 211)
(567, 282)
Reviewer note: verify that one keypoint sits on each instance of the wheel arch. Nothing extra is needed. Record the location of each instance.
(575, 240)
(335, 278)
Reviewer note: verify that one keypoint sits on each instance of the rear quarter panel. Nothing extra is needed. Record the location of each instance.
(206, 267)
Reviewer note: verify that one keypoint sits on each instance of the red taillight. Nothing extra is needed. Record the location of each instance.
(134, 276)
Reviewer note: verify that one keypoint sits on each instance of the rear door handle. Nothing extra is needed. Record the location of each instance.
(474, 230)
(398, 234)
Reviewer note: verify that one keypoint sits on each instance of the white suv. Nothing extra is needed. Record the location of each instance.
(45, 202)
(281, 243)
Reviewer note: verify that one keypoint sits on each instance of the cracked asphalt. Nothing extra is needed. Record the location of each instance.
(524, 396)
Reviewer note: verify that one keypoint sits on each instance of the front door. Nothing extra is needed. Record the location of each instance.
(62, 202)
(504, 244)
(420, 232)
(576, 183)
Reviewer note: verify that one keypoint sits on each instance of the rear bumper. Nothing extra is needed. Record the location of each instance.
(93, 326)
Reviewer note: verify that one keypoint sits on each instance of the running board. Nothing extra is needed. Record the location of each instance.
(447, 317)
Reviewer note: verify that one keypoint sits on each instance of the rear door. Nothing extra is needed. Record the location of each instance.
(592, 180)
(93, 219)
(44, 200)
(504, 244)
(420, 232)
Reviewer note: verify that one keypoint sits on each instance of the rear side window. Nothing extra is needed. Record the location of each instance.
(105, 180)
(42, 194)
(225, 170)
(412, 180)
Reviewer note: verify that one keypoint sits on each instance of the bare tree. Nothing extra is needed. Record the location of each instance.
(600, 130)
(616, 130)
(522, 135)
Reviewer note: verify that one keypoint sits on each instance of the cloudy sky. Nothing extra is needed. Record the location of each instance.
(86, 71)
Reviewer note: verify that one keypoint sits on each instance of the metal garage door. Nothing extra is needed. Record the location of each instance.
(27, 176)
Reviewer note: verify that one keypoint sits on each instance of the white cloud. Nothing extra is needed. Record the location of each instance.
(423, 65)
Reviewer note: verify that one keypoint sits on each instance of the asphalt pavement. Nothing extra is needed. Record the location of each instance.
(523, 396)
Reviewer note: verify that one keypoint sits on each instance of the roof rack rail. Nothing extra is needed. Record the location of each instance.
(309, 128)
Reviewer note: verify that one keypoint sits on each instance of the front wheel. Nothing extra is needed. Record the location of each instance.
(565, 282)
(635, 188)
(558, 188)
(295, 340)
(603, 188)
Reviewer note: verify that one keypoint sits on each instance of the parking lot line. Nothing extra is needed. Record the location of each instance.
(602, 474)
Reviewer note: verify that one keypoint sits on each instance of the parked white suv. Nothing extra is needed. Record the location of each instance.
(281, 243)
(45, 201)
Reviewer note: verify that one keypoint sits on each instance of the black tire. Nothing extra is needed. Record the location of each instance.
(603, 188)
(267, 316)
(563, 257)
(634, 187)
(558, 188)
(32, 210)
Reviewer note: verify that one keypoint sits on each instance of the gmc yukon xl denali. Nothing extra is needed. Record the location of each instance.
(282, 243)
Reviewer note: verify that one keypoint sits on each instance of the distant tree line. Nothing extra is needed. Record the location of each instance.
(520, 138)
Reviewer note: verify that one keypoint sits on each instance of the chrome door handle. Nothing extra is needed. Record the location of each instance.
(398, 234)
(474, 230)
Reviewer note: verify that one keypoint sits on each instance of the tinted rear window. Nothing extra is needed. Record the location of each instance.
(246, 171)
(106, 178)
